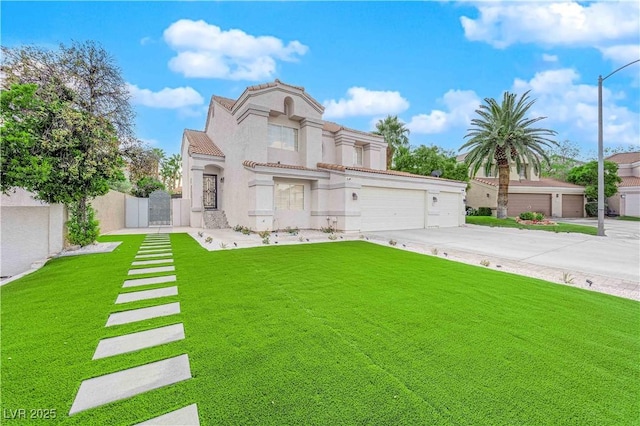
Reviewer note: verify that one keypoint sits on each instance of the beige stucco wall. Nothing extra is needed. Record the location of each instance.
(110, 211)
(30, 231)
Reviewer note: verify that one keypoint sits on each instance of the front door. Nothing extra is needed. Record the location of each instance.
(210, 192)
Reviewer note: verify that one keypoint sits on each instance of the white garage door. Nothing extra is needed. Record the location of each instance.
(632, 205)
(449, 205)
(391, 209)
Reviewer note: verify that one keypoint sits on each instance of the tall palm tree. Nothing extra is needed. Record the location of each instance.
(503, 135)
(395, 134)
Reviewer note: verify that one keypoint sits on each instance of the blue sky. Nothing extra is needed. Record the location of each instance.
(430, 63)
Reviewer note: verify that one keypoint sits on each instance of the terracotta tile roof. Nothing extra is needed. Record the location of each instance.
(543, 182)
(225, 102)
(624, 157)
(340, 168)
(628, 181)
(272, 84)
(332, 127)
(253, 164)
(200, 143)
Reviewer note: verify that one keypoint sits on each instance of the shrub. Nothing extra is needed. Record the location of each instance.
(146, 186)
(82, 232)
(327, 230)
(333, 237)
(237, 228)
(484, 211)
(208, 240)
(393, 242)
(538, 217)
(527, 215)
(264, 234)
(265, 240)
(245, 230)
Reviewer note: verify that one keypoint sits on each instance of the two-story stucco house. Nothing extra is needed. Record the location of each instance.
(527, 192)
(268, 161)
(627, 201)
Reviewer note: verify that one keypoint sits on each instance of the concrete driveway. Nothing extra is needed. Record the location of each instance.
(616, 256)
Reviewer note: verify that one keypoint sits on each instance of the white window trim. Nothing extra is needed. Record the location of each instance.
(281, 127)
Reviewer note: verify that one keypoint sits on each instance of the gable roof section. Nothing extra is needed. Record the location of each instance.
(201, 143)
(624, 157)
(545, 182)
(225, 102)
(332, 127)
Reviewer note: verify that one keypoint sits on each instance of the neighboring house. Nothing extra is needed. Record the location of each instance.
(627, 201)
(268, 161)
(527, 192)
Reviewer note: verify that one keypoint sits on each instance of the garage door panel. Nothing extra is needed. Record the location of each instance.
(572, 205)
(519, 203)
(391, 209)
(632, 204)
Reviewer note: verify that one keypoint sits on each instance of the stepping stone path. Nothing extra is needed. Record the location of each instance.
(130, 382)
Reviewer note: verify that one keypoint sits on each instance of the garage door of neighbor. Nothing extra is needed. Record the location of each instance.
(572, 206)
(391, 209)
(449, 204)
(632, 205)
(519, 203)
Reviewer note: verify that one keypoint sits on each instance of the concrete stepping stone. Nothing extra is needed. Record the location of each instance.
(147, 251)
(187, 416)
(133, 381)
(152, 270)
(156, 243)
(147, 294)
(140, 256)
(151, 262)
(135, 315)
(147, 281)
(139, 340)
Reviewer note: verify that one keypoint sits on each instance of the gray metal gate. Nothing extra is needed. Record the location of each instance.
(159, 208)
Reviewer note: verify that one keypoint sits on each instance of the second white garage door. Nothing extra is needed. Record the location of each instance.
(632, 205)
(391, 209)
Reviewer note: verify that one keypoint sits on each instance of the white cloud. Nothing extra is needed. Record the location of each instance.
(549, 58)
(179, 97)
(362, 101)
(460, 108)
(573, 107)
(601, 24)
(621, 54)
(207, 51)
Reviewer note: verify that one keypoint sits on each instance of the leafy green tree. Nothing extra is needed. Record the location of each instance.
(425, 160)
(562, 159)
(503, 135)
(146, 186)
(170, 171)
(70, 114)
(395, 134)
(587, 175)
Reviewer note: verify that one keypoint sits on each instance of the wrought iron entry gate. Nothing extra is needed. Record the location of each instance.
(159, 208)
(210, 192)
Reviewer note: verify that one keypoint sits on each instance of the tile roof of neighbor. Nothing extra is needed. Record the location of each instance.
(341, 168)
(628, 181)
(624, 157)
(543, 182)
(201, 143)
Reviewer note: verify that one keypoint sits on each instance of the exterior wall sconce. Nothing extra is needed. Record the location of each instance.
(488, 195)
(222, 179)
(557, 195)
(623, 195)
(354, 196)
(435, 199)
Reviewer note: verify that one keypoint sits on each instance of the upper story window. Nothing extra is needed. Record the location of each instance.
(282, 137)
(358, 152)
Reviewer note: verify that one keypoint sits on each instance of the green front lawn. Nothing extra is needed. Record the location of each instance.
(333, 333)
(630, 218)
(511, 223)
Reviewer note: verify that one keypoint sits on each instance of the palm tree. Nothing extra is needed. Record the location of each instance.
(157, 155)
(170, 171)
(395, 135)
(501, 136)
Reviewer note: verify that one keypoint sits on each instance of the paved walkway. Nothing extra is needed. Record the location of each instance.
(133, 381)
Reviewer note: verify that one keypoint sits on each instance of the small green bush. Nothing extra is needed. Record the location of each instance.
(527, 215)
(538, 217)
(237, 228)
(82, 232)
(264, 234)
(483, 211)
(245, 230)
(146, 186)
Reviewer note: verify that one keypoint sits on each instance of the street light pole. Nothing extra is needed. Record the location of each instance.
(601, 152)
